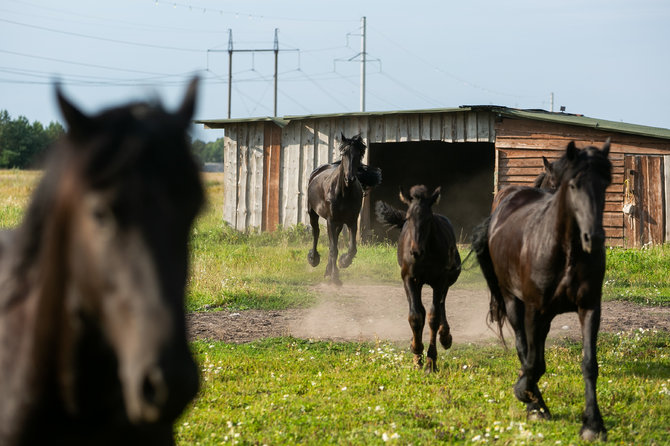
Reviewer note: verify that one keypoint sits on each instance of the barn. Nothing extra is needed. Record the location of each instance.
(469, 151)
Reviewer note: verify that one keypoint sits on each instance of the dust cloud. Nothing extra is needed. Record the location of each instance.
(372, 312)
(379, 312)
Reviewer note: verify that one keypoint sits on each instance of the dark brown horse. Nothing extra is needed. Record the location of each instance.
(335, 193)
(543, 254)
(93, 343)
(427, 254)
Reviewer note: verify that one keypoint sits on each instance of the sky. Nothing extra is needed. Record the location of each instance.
(606, 59)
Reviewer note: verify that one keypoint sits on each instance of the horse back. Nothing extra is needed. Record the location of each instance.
(319, 170)
(516, 235)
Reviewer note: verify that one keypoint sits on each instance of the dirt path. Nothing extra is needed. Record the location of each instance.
(367, 313)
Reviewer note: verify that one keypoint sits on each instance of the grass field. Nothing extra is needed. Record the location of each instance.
(290, 391)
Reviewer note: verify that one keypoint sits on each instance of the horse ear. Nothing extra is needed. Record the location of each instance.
(187, 108)
(403, 197)
(435, 198)
(571, 150)
(606, 147)
(547, 165)
(77, 122)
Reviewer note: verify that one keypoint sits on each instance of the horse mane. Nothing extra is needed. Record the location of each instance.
(571, 163)
(594, 159)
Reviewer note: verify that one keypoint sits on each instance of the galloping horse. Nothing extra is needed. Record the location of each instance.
(543, 254)
(335, 192)
(427, 254)
(93, 345)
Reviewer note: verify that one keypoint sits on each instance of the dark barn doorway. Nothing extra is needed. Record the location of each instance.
(464, 171)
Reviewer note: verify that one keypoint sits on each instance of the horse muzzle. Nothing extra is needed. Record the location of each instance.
(591, 240)
(160, 392)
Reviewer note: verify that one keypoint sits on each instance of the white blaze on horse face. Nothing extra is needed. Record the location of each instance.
(121, 289)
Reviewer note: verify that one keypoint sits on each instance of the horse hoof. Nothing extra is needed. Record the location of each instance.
(538, 415)
(522, 393)
(336, 281)
(418, 362)
(446, 340)
(587, 434)
(430, 367)
(313, 258)
(345, 261)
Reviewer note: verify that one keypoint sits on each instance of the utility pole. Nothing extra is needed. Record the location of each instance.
(230, 67)
(276, 49)
(363, 56)
(551, 102)
(231, 50)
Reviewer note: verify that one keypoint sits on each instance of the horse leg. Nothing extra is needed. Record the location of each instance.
(515, 310)
(313, 256)
(526, 389)
(416, 318)
(593, 426)
(346, 259)
(334, 230)
(437, 321)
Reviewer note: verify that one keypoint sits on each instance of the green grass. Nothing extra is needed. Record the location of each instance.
(638, 275)
(290, 391)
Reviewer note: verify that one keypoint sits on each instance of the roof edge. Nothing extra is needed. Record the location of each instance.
(532, 114)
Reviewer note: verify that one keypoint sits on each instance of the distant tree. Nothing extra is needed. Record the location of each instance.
(22, 145)
(210, 152)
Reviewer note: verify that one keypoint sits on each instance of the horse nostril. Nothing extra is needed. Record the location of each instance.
(154, 389)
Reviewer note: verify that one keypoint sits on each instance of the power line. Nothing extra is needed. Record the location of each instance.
(82, 64)
(446, 73)
(238, 14)
(104, 39)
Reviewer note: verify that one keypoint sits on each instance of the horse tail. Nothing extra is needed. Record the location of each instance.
(389, 216)
(480, 245)
(369, 176)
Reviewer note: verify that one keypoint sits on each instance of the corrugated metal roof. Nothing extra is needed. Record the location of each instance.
(537, 115)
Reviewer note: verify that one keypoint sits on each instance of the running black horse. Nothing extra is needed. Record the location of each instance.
(93, 346)
(543, 254)
(335, 193)
(427, 254)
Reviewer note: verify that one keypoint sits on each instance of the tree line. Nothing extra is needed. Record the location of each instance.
(23, 145)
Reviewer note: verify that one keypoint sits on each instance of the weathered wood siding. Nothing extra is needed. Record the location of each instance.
(520, 145)
(266, 168)
(643, 188)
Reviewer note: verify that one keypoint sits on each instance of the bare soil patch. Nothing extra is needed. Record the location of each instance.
(379, 312)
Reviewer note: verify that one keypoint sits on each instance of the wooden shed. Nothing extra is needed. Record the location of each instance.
(470, 152)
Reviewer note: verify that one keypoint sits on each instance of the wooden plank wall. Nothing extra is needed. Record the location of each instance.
(643, 181)
(520, 145)
(306, 144)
